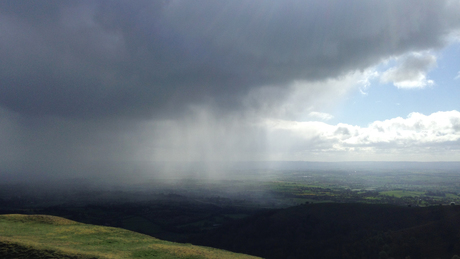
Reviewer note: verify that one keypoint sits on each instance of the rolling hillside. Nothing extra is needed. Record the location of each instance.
(332, 230)
(42, 236)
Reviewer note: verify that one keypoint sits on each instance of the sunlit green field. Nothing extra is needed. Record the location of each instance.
(421, 188)
(61, 238)
(402, 193)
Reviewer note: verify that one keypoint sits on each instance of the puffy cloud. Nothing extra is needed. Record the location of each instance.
(411, 72)
(434, 135)
(321, 115)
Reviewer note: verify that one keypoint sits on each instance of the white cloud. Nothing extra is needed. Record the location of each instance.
(416, 130)
(417, 137)
(411, 72)
(321, 115)
(458, 75)
(365, 82)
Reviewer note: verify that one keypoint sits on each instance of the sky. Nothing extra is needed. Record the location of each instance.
(213, 81)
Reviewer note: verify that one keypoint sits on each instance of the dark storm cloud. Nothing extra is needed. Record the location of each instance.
(93, 59)
(110, 81)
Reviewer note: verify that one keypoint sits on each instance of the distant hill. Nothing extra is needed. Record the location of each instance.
(42, 236)
(331, 230)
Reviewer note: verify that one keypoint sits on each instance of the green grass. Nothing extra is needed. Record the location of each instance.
(399, 193)
(42, 236)
(452, 196)
(372, 198)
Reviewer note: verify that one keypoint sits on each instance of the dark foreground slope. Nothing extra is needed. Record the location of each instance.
(41, 236)
(343, 231)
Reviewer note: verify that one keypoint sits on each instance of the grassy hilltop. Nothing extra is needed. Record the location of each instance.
(42, 236)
